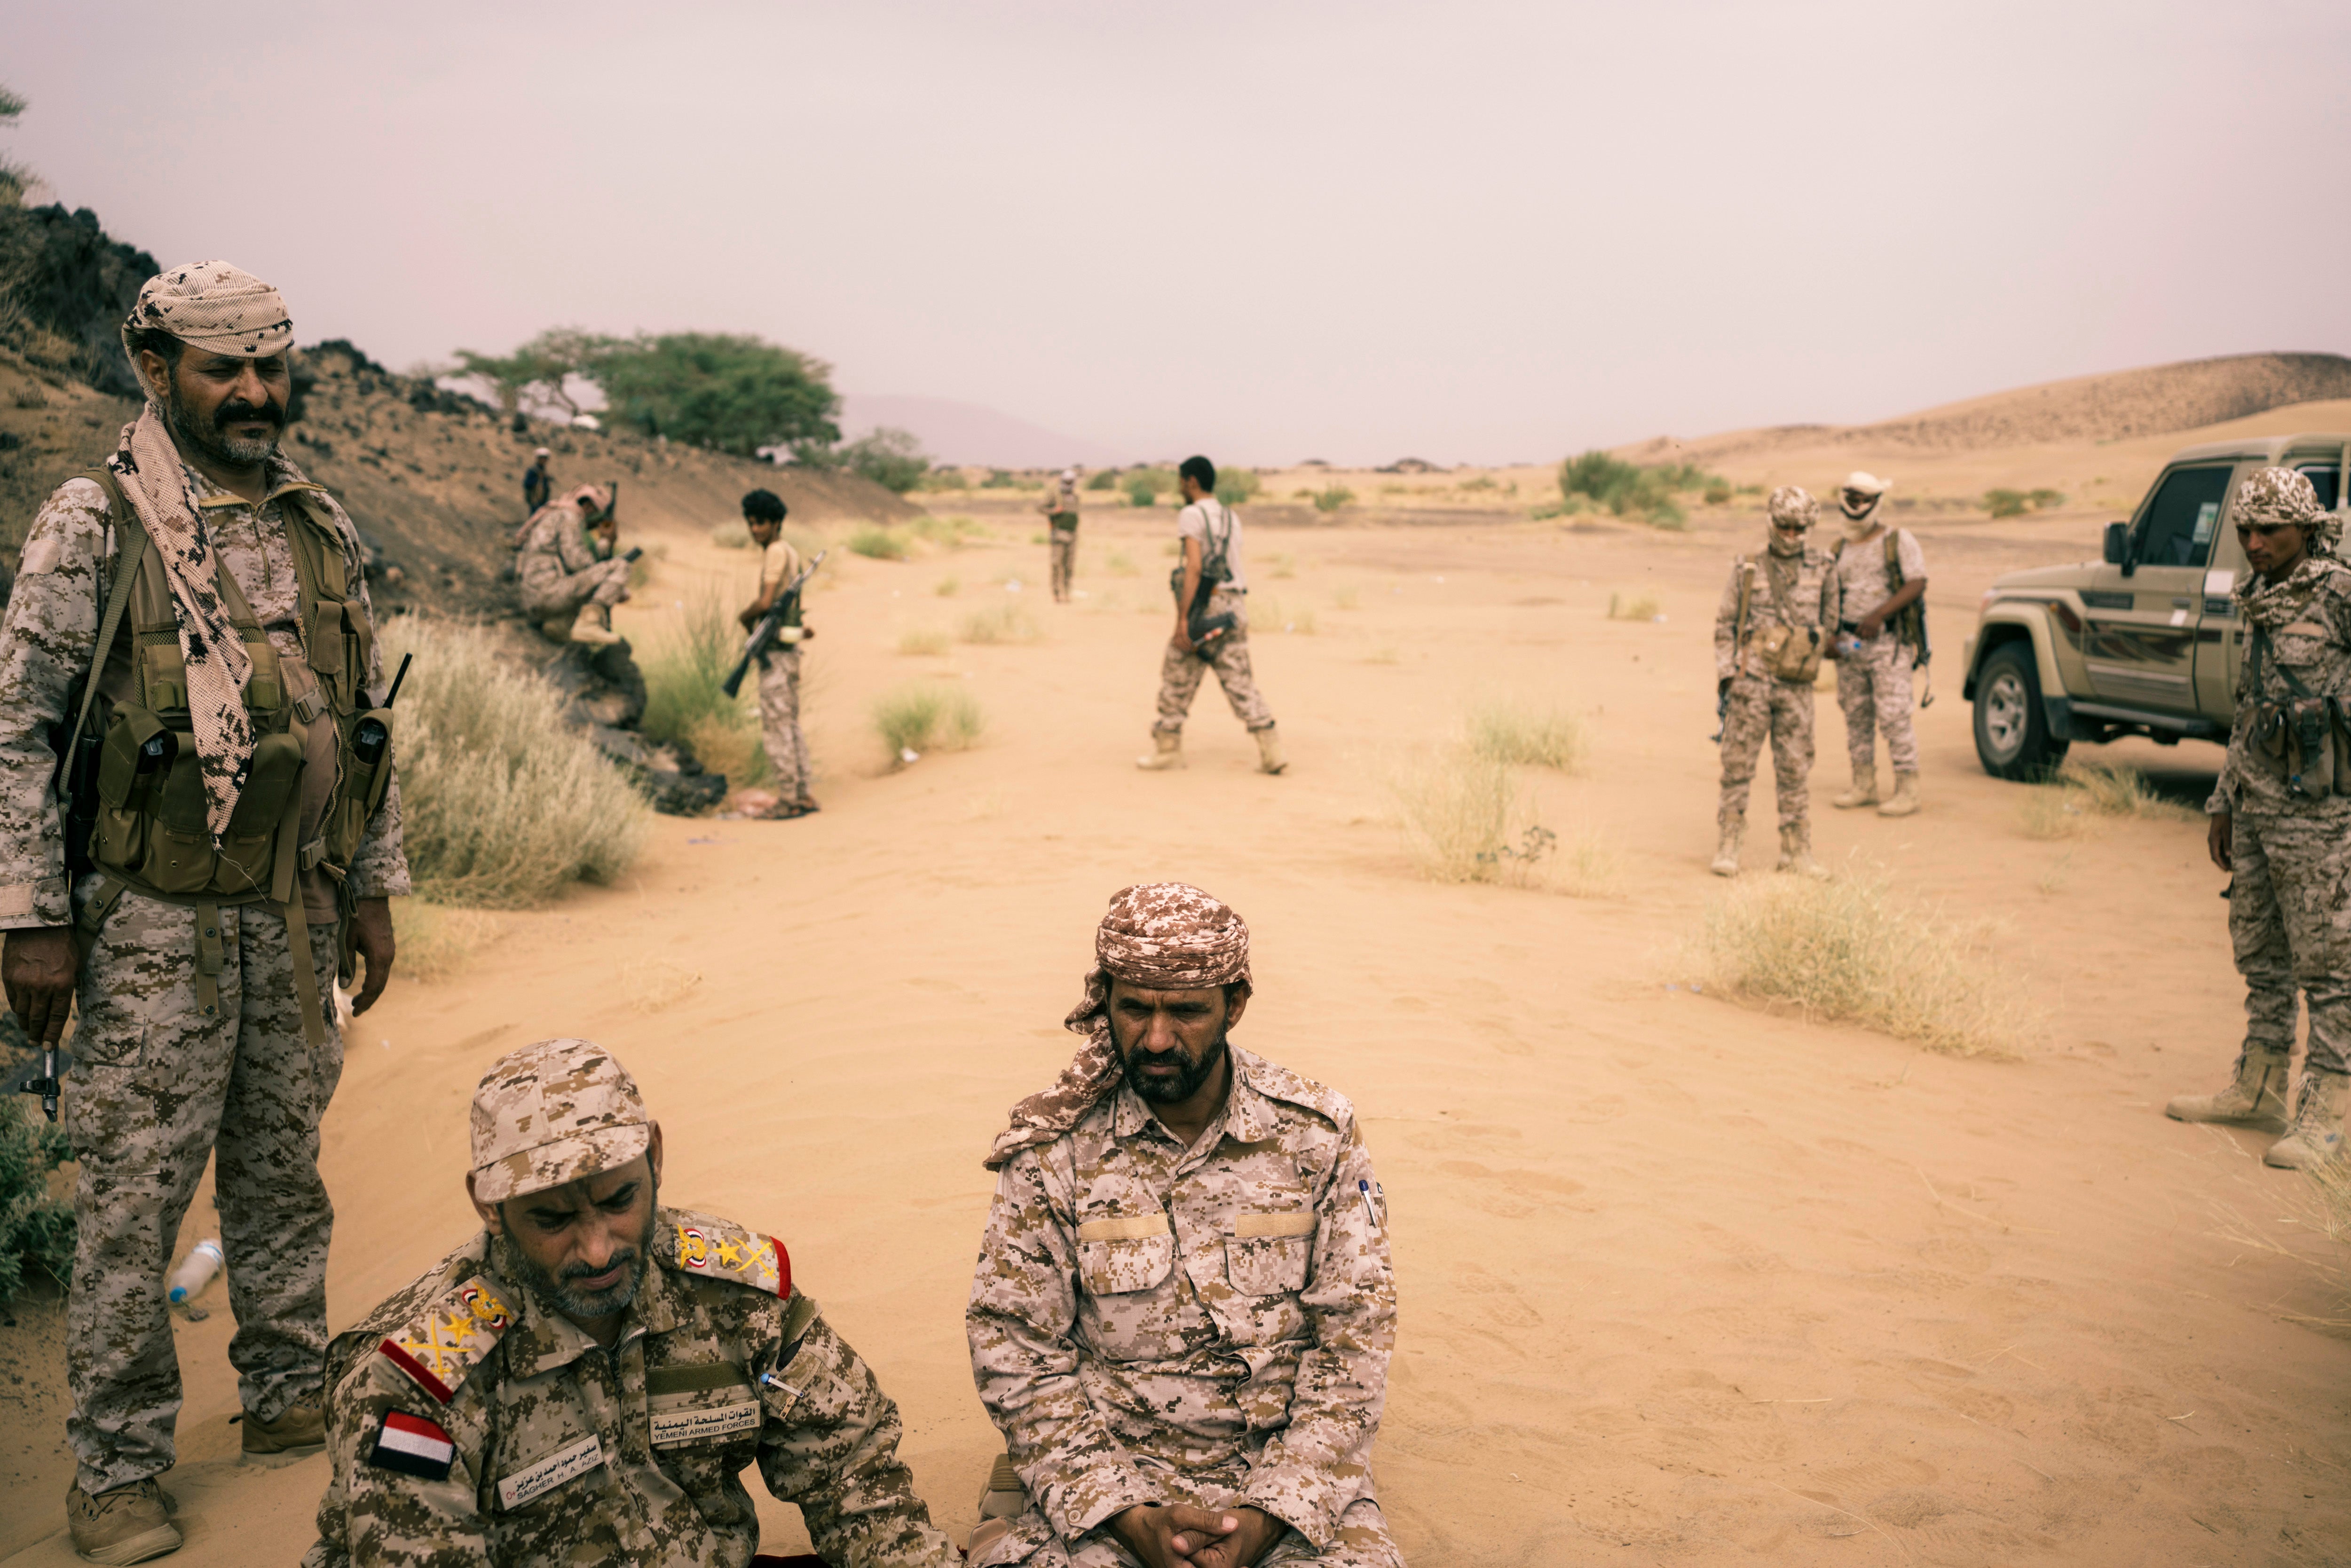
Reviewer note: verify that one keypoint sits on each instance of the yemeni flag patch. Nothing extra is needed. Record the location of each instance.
(413, 1447)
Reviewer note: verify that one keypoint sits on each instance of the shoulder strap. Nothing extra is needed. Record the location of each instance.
(131, 547)
(1894, 560)
(1746, 598)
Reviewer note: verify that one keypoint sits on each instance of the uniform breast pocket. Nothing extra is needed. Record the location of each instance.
(1124, 1253)
(1266, 1255)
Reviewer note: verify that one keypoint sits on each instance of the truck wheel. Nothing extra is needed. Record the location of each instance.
(2013, 738)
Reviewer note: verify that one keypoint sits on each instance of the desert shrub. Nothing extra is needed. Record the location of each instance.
(1531, 737)
(1466, 819)
(731, 535)
(2005, 503)
(892, 458)
(1002, 479)
(1844, 949)
(685, 673)
(1331, 497)
(1587, 865)
(1630, 489)
(922, 640)
(948, 586)
(1235, 485)
(927, 716)
(1102, 479)
(1717, 494)
(37, 1231)
(437, 941)
(1142, 493)
(2083, 793)
(877, 543)
(954, 532)
(502, 804)
(1640, 606)
(1004, 624)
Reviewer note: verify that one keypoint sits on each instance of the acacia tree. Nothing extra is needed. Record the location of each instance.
(541, 369)
(890, 457)
(734, 392)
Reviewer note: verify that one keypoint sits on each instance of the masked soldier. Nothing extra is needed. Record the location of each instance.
(195, 608)
(1770, 634)
(1061, 508)
(1183, 1310)
(569, 588)
(587, 1378)
(1881, 578)
(2279, 822)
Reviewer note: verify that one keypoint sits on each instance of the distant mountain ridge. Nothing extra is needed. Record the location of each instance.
(966, 433)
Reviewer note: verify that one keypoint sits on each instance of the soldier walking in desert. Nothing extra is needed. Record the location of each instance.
(1881, 577)
(1211, 625)
(1061, 508)
(2280, 823)
(1769, 636)
(206, 602)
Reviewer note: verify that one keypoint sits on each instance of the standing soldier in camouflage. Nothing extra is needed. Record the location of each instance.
(1882, 577)
(243, 833)
(587, 1378)
(1770, 633)
(779, 666)
(568, 588)
(1211, 592)
(2280, 823)
(1183, 1309)
(1061, 508)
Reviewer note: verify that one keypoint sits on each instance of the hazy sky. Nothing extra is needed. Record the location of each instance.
(1349, 230)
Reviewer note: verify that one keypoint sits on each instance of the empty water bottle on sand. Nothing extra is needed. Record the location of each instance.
(196, 1271)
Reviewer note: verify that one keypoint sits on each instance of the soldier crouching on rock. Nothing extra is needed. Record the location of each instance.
(1770, 634)
(568, 587)
(586, 1379)
(1183, 1309)
(2280, 823)
(198, 607)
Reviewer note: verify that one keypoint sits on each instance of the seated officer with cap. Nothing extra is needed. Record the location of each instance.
(586, 1379)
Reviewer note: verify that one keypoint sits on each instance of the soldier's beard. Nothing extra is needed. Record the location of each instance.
(203, 433)
(549, 1287)
(1173, 1088)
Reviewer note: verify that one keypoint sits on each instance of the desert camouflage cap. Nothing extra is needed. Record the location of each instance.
(2276, 496)
(593, 499)
(213, 306)
(550, 1113)
(1794, 504)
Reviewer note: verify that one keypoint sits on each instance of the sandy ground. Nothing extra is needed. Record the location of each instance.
(1680, 1282)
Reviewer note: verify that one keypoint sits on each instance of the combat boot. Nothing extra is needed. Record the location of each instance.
(1906, 797)
(1796, 852)
(1169, 755)
(1864, 791)
(2254, 1098)
(1726, 852)
(594, 626)
(1269, 751)
(126, 1525)
(2317, 1136)
(296, 1433)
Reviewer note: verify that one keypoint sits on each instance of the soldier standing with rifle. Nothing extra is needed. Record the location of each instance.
(195, 613)
(1768, 637)
(780, 574)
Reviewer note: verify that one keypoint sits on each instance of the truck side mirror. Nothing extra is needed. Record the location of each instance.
(2117, 543)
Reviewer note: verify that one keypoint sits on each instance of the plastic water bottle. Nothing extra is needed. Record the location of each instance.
(196, 1271)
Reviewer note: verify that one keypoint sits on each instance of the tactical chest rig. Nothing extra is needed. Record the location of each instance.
(136, 819)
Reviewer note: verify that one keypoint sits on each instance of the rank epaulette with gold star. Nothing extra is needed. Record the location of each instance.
(440, 1347)
(721, 1250)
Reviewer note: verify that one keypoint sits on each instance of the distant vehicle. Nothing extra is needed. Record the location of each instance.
(2145, 642)
(586, 421)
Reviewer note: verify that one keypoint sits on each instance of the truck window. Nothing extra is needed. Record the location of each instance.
(2182, 517)
(2326, 479)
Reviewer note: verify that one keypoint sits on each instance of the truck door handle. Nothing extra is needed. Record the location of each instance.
(2180, 604)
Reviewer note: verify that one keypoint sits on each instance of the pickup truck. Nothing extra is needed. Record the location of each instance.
(2145, 642)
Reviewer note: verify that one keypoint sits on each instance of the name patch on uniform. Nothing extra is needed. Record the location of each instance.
(533, 1482)
(413, 1447)
(673, 1428)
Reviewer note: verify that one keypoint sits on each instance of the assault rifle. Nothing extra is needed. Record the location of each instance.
(763, 635)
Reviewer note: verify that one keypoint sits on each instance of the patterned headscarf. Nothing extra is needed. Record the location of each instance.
(2273, 496)
(220, 310)
(1164, 936)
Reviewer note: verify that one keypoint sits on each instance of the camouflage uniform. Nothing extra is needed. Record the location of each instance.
(2290, 894)
(1874, 684)
(1209, 1325)
(1061, 517)
(470, 1423)
(156, 1088)
(1760, 706)
(1180, 673)
(559, 569)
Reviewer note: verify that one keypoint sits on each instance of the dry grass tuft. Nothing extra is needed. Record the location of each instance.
(1467, 819)
(655, 985)
(1004, 624)
(2084, 795)
(1345, 595)
(949, 586)
(2332, 1182)
(1122, 564)
(877, 543)
(1509, 734)
(731, 536)
(1586, 865)
(685, 695)
(1640, 606)
(502, 805)
(1843, 949)
(437, 941)
(922, 640)
(925, 715)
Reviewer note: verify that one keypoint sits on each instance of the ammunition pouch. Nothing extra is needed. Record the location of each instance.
(1791, 654)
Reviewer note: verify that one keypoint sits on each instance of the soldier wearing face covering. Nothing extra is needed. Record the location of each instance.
(1881, 578)
(1771, 632)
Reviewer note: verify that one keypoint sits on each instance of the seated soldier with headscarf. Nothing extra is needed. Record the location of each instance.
(1183, 1309)
(568, 587)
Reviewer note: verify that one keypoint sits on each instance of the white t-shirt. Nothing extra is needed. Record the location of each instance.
(1193, 523)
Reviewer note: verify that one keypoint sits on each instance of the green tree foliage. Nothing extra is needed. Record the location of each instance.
(732, 391)
(892, 458)
(1632, 491)
(13, 176)
(37, 1231)
(541, 369)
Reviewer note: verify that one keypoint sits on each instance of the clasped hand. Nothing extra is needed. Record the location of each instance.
(1178, 1535)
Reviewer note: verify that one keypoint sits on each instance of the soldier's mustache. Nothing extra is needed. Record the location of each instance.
(622, 1258)
(237, 411)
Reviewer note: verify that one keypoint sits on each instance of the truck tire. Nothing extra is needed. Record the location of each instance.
(2012, 739)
